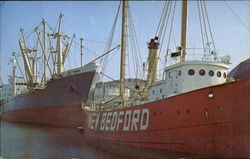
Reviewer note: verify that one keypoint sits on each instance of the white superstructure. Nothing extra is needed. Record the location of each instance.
(7, 89)
(187, 76)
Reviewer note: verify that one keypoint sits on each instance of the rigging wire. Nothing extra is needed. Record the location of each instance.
(206, 31)
(52, 53)
(103, 61)
(163, 25)
(131, 38)
(129, 73)
(201, 26)
(77, 45)
(162, 14)
(54, 30)
(28, 35)
(49, 26)
(234, 13)
(31, 32)
(210, 30)
(94, 41)
(204, 24)
(35, 50)
(162, 19)
(136, 56)
(170, 33)
(116, 81)
(166, 25)
(110, 40)
(175, 43)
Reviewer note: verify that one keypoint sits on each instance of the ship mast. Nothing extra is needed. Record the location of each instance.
(59, 50)
(123, 50)
(184, 29)
(13, 60)
(44, 48)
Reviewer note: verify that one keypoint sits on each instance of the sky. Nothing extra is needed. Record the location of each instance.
(93, 20)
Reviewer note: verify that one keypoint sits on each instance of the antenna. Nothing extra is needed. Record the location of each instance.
(81, 50)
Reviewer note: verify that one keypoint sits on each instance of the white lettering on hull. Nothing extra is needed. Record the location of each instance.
(113, 121)
(144, 116)
(129, 120)
(104, 115)
(108, 120)
(119, 119)
(135, 119)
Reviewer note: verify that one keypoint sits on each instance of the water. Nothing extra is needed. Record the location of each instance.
(22, 141)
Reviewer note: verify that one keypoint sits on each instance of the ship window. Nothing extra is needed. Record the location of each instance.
(224, 75)
(202, 72)
(211, 73)
(179, 72)
(161, 90)
(153, 91)
(191, 72)
(218, 74)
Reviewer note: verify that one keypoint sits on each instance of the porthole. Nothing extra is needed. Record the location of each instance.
(211, 73)
(202, 72)
(191, 72)
(218, 74)
(224, 75)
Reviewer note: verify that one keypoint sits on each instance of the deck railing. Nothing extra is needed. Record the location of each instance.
(192, 55)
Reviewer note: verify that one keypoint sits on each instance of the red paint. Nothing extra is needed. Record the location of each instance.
(179, 126)
(62, 116)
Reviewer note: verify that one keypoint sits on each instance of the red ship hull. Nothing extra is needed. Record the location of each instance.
(59, 104)
(61, 116)
(209, 122)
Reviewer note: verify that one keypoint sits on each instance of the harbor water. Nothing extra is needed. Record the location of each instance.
(22, 141)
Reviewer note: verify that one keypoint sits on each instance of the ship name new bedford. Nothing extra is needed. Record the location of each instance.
(129, 120)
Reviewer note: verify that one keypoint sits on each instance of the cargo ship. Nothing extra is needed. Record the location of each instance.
(55, 101)
(195, 110)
